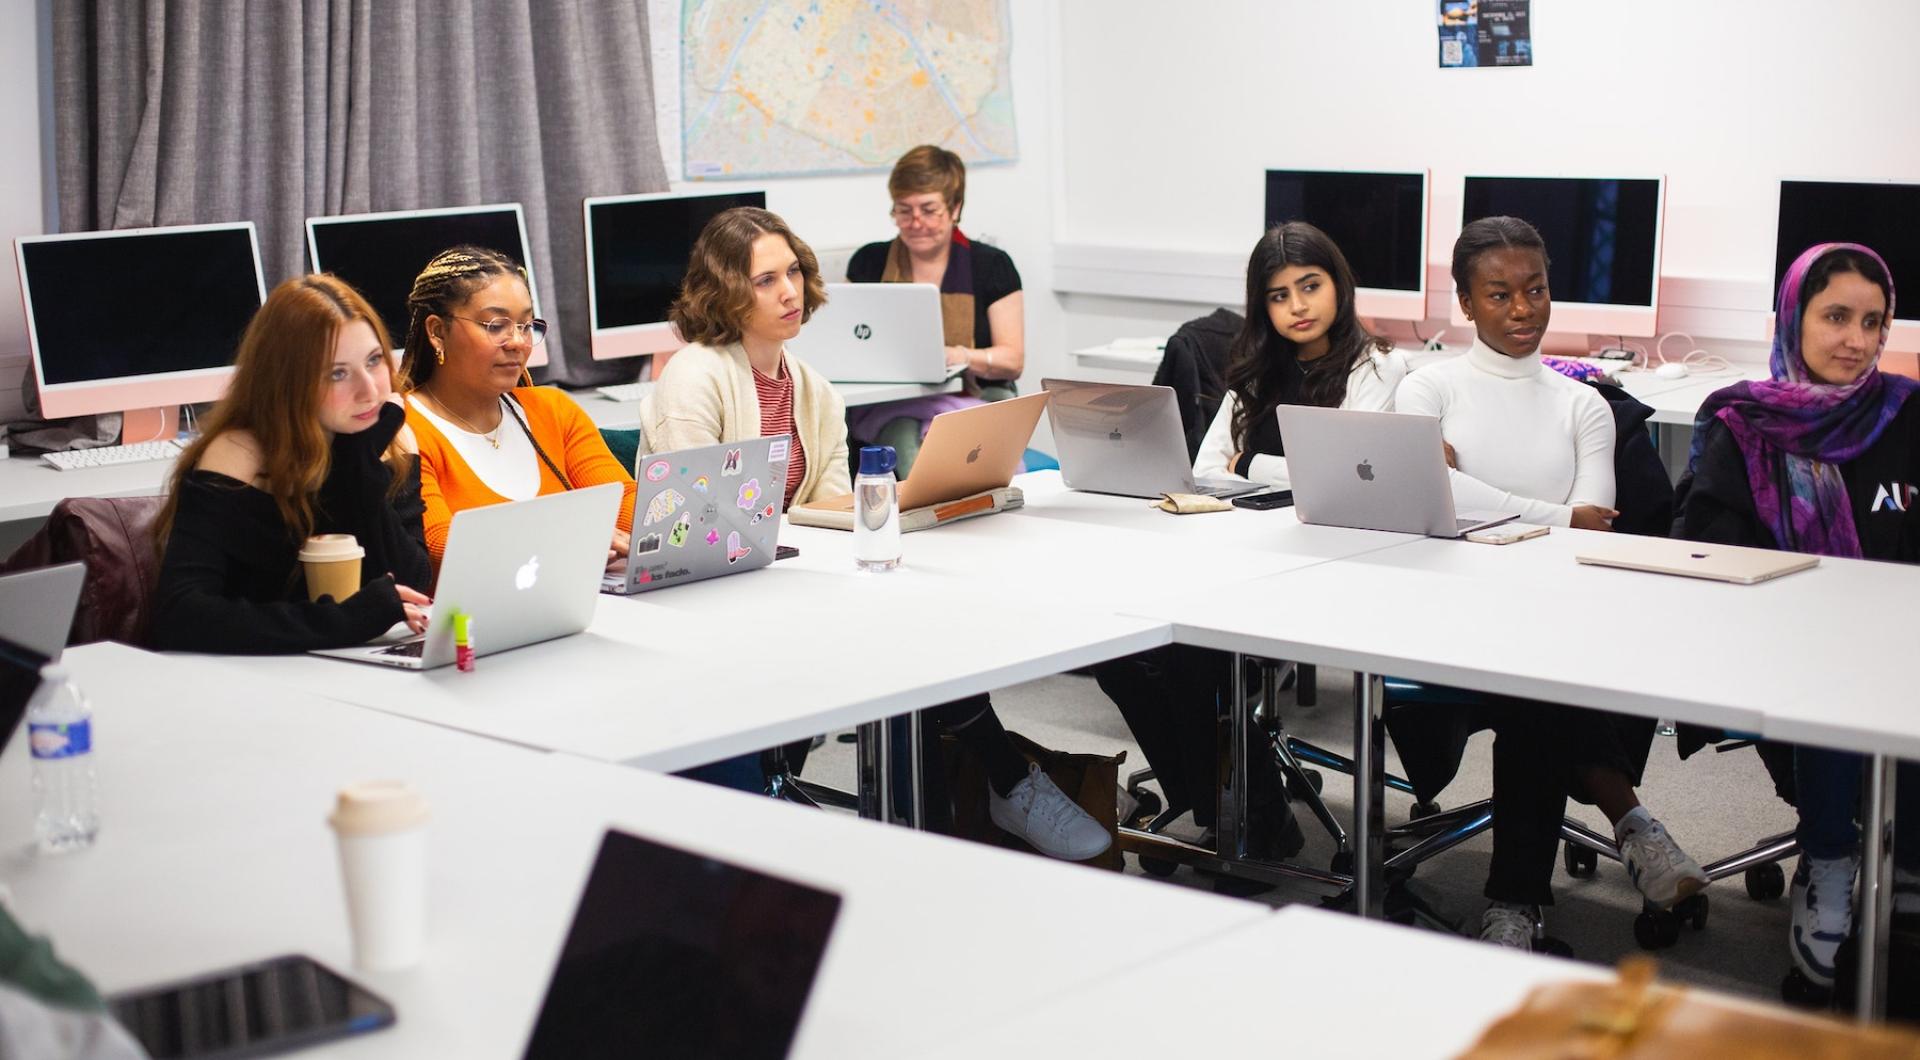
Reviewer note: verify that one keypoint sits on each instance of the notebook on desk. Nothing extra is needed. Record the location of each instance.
(966, 466)
(700, 513)
(523, 571)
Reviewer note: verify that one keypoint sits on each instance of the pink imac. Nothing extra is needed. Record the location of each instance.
(139, 320)
(637, 249)
(379, 254)
(1379, 222)
(1603, 238)
(1881, 214)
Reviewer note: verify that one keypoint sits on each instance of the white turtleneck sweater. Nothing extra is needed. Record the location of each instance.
(1528, 439)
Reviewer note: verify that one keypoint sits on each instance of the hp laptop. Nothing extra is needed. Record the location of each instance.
(1374, 471)
(877, 333)
(36, 606)
(672, 954)
(1692, 559)
(700, 513)
(1125, 438)
(523, 572)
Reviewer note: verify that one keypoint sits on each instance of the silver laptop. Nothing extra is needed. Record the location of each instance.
(877, 333)
(523, 572)
(1373, 470)
(701, 513)
(1125, 438)
(36, 606)
(1693, 559)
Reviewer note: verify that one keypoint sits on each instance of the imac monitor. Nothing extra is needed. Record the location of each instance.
(1603, 243)
(1879, 214)
(180, 299)
(1379, 222)
(379, 254)
(637, 252)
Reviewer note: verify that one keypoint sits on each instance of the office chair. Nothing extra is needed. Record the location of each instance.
(114, 536)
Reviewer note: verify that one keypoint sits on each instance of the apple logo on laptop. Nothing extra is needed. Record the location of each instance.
(1113, 435)
(973, 455)
(861, 331)
(1365, 471)
(528, 573)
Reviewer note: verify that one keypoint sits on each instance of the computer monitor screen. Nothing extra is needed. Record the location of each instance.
(1379, 222)
(637, 250)
(1882, 215)
(1603, 241)
(137, 318)
(380, 254)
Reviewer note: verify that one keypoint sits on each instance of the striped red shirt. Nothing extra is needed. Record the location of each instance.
(776, 418)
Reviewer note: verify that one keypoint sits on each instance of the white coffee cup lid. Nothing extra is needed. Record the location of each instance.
(323, 548)
(378, 807)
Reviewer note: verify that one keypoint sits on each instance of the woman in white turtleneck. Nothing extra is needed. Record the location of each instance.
(1524, 438)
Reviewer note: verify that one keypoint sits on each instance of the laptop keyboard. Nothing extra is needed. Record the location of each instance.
(407, 649)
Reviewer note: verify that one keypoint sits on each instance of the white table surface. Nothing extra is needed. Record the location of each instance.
(213, 851)
(1303, 983)
(620, 415)
(29, 488)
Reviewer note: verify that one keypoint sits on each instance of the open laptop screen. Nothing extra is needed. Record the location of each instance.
(675, 954)
(19, 679)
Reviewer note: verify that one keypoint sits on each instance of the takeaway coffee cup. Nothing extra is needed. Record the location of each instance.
(381, 829)
(333, 565)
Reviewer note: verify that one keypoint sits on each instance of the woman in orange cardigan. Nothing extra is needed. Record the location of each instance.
(484, 437)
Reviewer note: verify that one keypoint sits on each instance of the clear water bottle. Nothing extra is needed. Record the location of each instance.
(60, 732)
(876, 510)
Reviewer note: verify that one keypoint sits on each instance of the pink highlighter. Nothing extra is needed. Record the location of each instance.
(463, 641)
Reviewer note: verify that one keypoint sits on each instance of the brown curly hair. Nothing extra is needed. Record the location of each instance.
(717, 295)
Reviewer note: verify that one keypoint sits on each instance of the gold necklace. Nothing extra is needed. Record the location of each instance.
(493, 439)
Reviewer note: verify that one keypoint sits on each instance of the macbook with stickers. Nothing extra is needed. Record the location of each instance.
(701, 513)
(1692, 559)
(522, 572)
(1125, 438)
(36, 606)
(1374, 471)
(877, 333)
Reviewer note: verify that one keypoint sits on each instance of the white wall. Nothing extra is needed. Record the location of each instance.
(1171, 114)
(21, 210)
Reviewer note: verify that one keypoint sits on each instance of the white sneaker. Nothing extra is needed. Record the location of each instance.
(1040, 813)
(1512, 926)
(1659, 868)
(1822, 904)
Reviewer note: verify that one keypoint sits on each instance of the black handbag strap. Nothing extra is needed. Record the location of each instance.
(513, 407)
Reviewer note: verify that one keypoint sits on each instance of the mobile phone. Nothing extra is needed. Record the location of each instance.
(781, 552)
(1261, 502)
(1506, 533)
(260, 1009)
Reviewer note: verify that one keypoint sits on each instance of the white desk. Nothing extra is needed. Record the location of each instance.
(625, 415)
(29, 488)
(213, 851)
(1302, 983)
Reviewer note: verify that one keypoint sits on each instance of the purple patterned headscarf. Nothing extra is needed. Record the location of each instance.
(1795, 431)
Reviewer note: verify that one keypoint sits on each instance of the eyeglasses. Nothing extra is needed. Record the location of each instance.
(928, 213)
(500, 328)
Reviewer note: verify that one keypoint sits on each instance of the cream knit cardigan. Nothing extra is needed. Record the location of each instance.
(705, 396)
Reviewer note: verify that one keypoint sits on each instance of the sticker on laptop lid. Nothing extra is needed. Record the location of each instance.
(700, 484)
(681, 528)
(734, 552)
(646, 544)
(732, 464)
(778, 451)
(713, 537)
(749, 495)
(663, 505)
(658, 470)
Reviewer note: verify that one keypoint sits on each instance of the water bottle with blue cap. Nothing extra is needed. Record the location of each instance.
(876, 510)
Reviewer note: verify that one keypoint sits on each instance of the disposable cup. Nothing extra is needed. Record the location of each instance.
(333, 565)
(380, 826)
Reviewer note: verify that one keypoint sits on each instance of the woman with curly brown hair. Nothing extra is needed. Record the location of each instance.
(750, 284)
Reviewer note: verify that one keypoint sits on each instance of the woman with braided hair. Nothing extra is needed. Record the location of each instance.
(486, 433)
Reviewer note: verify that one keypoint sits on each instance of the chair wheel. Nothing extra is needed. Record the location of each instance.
(1314, 780)
(1342, 863)
(1160, 867)
(1552, 947)
(1149, 806)
(1581, 862)
(1693, 911)
(1800, 992)
(1422, 809)
(1656, 929)
(1766, 882)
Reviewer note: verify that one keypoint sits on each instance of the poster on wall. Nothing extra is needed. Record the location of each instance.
(1477, 33)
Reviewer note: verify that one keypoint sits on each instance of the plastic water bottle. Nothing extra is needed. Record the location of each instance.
(60, 732)
(876, 510)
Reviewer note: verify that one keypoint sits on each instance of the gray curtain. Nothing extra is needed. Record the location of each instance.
(194, 111)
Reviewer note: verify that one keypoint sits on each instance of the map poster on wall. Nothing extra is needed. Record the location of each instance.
(1486, 33)
(781, 87)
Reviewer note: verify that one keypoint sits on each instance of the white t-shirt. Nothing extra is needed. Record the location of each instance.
(1528, 439)
(1370, 388)
(512, 471)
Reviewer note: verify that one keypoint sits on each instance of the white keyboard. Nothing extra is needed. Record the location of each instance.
(108, 455)
(627, 391)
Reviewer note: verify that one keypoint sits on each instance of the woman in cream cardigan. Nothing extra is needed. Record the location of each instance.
(750, 284)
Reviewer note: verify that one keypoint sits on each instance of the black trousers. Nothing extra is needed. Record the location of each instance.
(1172, 698)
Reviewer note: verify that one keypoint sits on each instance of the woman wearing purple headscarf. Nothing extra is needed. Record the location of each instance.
(1824, 457)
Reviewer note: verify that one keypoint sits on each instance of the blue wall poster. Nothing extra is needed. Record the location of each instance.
(1485, 33)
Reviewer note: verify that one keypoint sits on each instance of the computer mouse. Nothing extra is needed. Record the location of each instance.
(1671, 370)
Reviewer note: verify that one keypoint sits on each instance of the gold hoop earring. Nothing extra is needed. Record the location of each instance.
(439, 355)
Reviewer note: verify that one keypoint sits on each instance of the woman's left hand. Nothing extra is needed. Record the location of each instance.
(622, 541)
(958, 355)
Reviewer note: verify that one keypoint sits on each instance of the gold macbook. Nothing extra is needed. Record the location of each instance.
(1693, 559)
(966, 452)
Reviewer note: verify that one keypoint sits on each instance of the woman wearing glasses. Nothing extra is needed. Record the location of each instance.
(310, 439)
(486, 434)
(982, 311)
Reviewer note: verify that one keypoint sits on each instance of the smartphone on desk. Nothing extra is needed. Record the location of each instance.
(262, 1009)
(1506, 533)
(1261, 502)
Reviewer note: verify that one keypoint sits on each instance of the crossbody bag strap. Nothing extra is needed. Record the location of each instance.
(513, 407)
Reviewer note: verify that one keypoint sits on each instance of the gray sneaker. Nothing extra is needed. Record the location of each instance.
(1040, 813)
(1509, 925)
(1659, 868)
